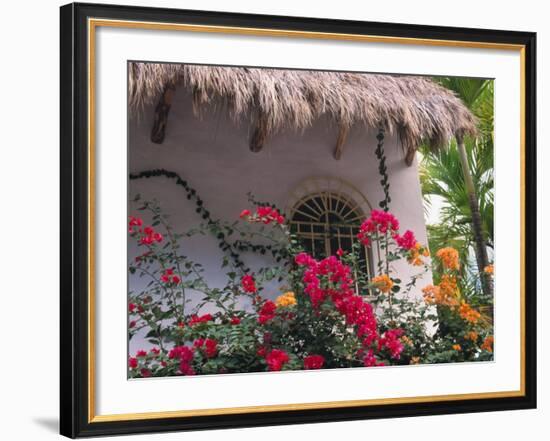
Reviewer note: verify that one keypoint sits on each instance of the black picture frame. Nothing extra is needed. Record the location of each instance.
(74, 325)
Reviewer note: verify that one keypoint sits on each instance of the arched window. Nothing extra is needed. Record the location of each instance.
(328, 219)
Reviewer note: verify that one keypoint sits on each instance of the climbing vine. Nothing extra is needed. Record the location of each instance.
(233, 249)
(383, 170)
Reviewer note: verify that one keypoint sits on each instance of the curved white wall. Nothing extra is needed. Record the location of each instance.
(212, 153)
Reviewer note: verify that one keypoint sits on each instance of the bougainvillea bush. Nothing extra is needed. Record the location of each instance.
(328, 313)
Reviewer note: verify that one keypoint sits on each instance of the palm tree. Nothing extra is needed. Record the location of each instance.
(462, 176)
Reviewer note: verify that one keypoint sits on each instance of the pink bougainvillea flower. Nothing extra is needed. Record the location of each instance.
(264, 214)
(210, 347)
(133, 223)
(141, 353)
(145, 373)
(331, 280)
(149, 236)
(379, 222)
(391, 341)
(169, 277)
(314, 361)
(276, 359)
(131, 307)
(235, 320)
(195, 319)
(249, 284)
(267, 312)
(407, 241)
(132, 362)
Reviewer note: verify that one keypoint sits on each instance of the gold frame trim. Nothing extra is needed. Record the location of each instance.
(92, 25)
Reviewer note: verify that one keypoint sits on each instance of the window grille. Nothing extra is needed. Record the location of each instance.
(326, 221)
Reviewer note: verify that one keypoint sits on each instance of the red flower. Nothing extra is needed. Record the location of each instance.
(304, 259)
(132, 324)
(340, 252)
(185, 355)
(210, 347)
(185, 368)
(182, 353)
(407, 241)
(314, 362)
(331, 280)
(267, 312)
(235, 320)
(141, 353)
(276, 359)
(150, 236)
(378, 222)
(264, 214)
(370, 360)
(198, 343)
(390, 340)
(249, 284)
(131, 307)
(146, 373)
(155, 351)
(261, 351)
(195, 319)
(181, 324)
(169, 277)
(132, 362)
(134, 222)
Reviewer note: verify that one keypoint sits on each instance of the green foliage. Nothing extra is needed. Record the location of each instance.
(169, 309)
(442, 180)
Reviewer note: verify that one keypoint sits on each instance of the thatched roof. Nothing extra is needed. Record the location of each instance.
(416, 108)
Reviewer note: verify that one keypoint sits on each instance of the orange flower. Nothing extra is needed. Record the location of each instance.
(468, 313)
(383, 282)
(472, 335)
(489, 269)
(415, 254)
(286, 299)
(457, 347)
(487, 344)
(446, 294)
(449, 289)
(432, 294)
(406, 340)
(415, 360)
(449, 258)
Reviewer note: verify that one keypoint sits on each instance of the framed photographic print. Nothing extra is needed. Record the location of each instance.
(275, 220)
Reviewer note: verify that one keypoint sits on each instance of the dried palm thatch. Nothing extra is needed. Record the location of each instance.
(415, 108)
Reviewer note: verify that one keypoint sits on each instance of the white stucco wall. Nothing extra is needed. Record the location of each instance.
(212, 154)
